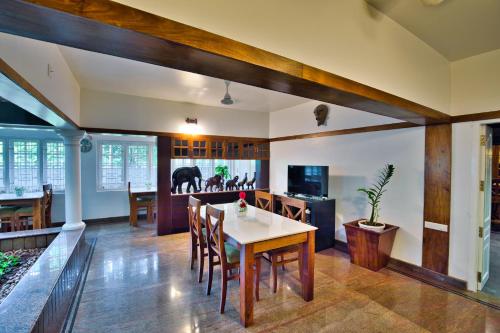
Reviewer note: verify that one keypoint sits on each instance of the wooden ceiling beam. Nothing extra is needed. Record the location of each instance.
(111, 28)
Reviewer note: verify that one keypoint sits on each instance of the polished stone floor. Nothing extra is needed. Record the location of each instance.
(138, 282)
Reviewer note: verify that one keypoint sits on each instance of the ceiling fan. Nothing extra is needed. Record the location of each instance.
(227, 100)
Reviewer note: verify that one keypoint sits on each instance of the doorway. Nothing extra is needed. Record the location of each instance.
(489, 229)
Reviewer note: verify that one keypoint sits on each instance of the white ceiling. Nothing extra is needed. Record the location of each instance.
(455, 28)
(112, 74)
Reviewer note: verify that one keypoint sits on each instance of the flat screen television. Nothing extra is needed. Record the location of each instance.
(308, 180)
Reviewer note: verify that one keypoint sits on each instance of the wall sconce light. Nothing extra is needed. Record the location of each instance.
(192, 121)
(190, 127)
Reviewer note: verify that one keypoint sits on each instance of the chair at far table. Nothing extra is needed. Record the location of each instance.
(137, 203)
(264, 200)
(229, 256)
(198, 234)
(294, 209)
(7, 217)
(23, 214)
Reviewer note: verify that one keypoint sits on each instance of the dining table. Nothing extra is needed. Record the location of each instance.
(138, 192)
(259, 231)
(33, 199)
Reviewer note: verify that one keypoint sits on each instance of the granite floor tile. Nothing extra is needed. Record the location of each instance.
(138, 282)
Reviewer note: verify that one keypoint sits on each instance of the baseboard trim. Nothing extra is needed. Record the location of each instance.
(112, 219)
(417, 272)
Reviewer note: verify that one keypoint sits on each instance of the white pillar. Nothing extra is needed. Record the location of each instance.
(73, 183)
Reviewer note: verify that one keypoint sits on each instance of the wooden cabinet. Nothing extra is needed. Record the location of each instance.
(224, 148)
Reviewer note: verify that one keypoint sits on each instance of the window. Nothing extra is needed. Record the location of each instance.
(138, 166)
(207, 167)
(25, 165)
(2, 167)
(112, 171)
(123, 162)
(54, 165)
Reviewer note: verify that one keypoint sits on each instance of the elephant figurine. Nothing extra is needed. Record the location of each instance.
(243, 182)
(252, 181)
(186, 174)
(216, 181)
(232, 184)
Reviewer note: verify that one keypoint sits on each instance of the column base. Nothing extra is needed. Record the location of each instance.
(73, 226)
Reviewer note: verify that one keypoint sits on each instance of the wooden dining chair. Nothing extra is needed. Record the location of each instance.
(47, 188)
(140, 203)
(198, 234)
(229, 256)
(23, 214)
(294, 209)
(264, 200)
(8, 218)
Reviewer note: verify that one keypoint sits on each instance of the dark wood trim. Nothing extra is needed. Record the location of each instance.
(346, 131)
(26, 86)
(170, 134)
(111, 28)
(164, 183)
(416, 272)
(476, 116)
(437, 197)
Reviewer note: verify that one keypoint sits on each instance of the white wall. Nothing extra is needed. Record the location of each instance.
(109, 110)
(300, 119)
(345, 37)
(476, 84)
(30, 58)
(354, 161)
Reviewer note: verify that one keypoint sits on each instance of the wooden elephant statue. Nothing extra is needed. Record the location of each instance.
(216, 181)
(243, 182)
(232, 184)
(252, 181)
(186, 174)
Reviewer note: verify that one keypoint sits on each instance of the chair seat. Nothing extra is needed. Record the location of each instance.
(25, 210)
(7, 211)
(286, 249)
(232, 254)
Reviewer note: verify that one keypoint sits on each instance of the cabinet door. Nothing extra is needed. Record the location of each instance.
(180, 148)
(200, 149)
(217, 149)
(232, 150)
(262, 151)
(248, 151)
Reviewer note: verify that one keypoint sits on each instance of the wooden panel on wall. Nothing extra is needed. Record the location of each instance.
(437, 197)
(164, 195)
(111, 28)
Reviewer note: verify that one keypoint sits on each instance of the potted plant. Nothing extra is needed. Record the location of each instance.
(223, 171)
(368, 240)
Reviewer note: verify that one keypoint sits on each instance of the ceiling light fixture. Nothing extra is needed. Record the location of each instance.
(227, 100)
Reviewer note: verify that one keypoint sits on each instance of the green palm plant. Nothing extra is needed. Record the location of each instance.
(375, 192)
(223, 171)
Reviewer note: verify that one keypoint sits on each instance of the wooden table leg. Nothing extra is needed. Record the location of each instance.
(133, 211)
(308, 267)
(37, 214)
(246, 284)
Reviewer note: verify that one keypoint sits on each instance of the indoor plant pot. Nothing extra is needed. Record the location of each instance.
(368, 248)
(379, 227)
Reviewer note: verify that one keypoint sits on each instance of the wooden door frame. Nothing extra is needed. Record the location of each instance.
(111, 28)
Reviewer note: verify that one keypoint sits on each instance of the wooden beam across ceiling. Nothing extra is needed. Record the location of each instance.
(111, 28)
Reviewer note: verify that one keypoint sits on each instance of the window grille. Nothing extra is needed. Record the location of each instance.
(25, 165)
(54, 164)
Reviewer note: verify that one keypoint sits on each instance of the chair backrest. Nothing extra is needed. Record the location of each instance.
(214, 221)
(294, 209)
(129, 192)
(47, 203)
(194, 206)
(264, 200)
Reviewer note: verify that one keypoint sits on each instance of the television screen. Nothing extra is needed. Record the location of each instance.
(308, 179)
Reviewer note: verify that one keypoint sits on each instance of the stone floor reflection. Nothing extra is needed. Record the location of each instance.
(142, 283)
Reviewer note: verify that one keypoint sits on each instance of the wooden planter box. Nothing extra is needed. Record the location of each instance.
(367, 248)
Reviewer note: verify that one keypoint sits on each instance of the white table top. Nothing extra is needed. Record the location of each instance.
(26, 196)
(258, 225)
(143, 190)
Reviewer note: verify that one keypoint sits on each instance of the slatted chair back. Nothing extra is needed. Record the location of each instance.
(195, 227)
(130, 197)
(294, 209)
(214, 221)
(264, 200)
(47, 193)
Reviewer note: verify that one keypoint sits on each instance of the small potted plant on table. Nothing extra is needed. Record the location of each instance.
(370, 241)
